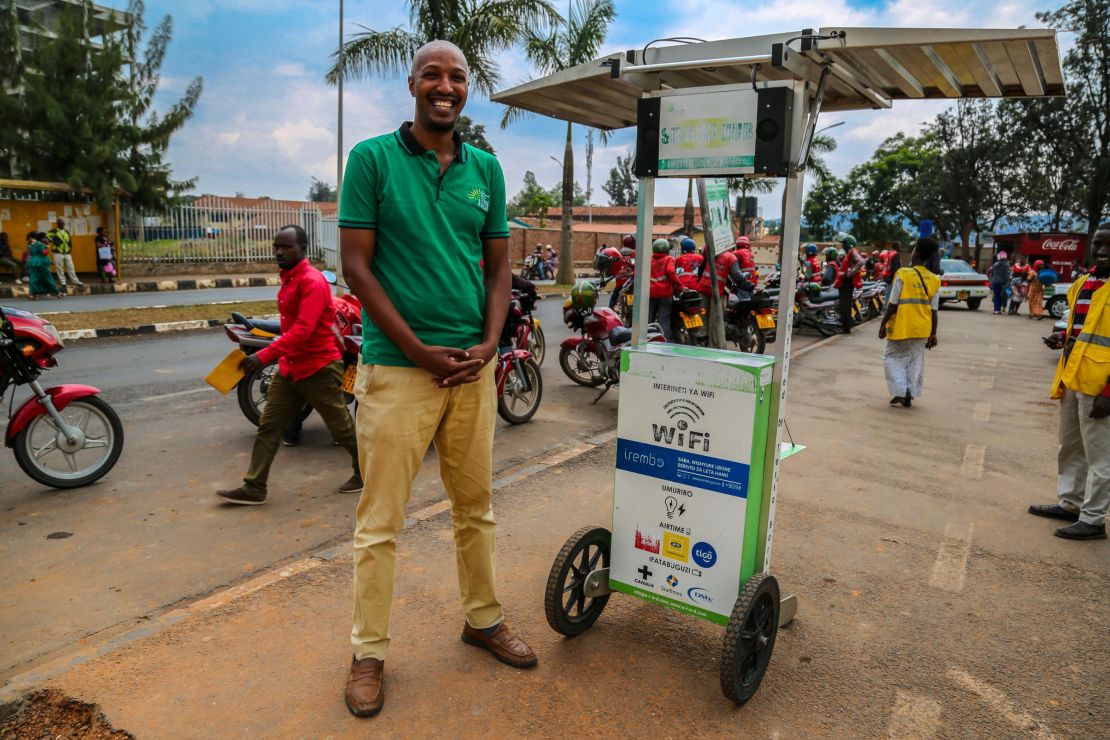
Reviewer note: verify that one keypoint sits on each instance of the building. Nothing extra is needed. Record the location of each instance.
(41, 18)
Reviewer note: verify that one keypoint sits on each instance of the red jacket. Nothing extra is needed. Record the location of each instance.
(689, 264)
(664, 280)
(307, 340)
(725, 261)
(814, 265)
(847, 264)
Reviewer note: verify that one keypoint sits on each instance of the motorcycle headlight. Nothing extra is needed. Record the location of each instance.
(49, 329)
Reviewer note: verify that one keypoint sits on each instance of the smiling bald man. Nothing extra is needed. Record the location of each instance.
(424, 245)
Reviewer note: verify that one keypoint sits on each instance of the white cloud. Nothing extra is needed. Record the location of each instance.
(293, 135)
(292, 69)
(228, 137)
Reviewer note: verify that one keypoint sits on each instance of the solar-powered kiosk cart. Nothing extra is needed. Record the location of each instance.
(699, 431)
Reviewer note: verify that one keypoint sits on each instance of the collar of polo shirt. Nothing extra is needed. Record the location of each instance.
(412, 146)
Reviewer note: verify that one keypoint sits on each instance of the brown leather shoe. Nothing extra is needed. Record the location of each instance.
(505, 646)
(365, 687)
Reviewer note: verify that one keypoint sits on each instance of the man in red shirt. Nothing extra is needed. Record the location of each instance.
(310, 368)
(664, 286)
(848, 277)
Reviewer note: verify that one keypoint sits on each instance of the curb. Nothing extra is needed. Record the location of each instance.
(150, 286)
(127, 331)
(19, 685)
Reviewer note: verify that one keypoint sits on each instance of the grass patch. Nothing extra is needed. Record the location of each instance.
(121, 317)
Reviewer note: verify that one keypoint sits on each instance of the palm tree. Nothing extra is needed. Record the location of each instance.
(481, 28)
(577, 42)
(822, 144)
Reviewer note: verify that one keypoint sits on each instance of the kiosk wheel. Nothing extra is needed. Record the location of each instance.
(750, 638)
(570, 611)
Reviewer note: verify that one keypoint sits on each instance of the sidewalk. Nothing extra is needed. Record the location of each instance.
(148, 284)
(931, 604)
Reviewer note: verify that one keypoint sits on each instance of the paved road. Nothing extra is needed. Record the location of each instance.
(931, 604)
(152, 533)
(143, 300)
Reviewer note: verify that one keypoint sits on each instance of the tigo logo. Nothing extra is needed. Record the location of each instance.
(704, 554)
(676, 546)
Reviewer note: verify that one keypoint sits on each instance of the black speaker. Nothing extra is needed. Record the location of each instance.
(772, 131)
(647, 137)
(747, 206)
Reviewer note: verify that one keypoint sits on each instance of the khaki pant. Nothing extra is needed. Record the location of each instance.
(1083, 459)
(63, 265)
(285, 399)
(400, 413)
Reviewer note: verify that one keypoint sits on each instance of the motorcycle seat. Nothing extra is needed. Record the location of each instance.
(827, 295)
(620, 335)
(270, 325)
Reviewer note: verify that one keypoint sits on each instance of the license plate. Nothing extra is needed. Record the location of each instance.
(628, 298)
(692, 322)
(349, 379)
(962, 295)
(764, 321)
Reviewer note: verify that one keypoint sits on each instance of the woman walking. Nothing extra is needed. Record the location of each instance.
(910, 325)
(1036, 292)
(39, 279)
(1000, 280)
(1018, 285)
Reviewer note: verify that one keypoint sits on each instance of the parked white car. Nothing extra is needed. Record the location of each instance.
(1056, 300)
(960, 282)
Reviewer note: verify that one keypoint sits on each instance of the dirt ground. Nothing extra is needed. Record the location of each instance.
(930, 603)
(49, 714)
(121, 317)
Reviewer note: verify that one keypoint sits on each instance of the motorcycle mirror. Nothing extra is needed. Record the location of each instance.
(330, 277)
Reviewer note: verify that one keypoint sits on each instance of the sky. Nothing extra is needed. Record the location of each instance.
(266, 122)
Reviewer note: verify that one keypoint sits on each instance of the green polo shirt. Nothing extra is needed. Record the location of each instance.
(430, 229)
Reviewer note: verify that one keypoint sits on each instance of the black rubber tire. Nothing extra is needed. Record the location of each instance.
(750, 638)
(537, 344)
(23, 454)
(1057, 306)
(245, 391)
(532, 370)
(570, 370)
(751, 339)
(974, 303)
(575, 561)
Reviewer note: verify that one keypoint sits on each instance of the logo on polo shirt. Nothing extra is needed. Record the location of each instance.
(479, 196)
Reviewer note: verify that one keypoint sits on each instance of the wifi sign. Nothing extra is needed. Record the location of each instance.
(683, 412)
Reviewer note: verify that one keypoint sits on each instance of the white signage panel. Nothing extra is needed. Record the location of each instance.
(709, 133)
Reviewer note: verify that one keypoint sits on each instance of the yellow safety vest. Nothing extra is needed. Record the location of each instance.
(914, 318)
(62, 242)
(1087, 367)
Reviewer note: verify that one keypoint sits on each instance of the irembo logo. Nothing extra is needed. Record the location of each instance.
(681, 413)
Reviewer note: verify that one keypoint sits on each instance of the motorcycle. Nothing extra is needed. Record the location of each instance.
(688, 319)
(65, 436)
(750, 324)
(518, 379)
(529, 332)
(532, 268)
(821, 312)
(592, 358)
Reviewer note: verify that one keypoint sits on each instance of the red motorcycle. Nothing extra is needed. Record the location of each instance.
(65, 436)
(593, 357)
(519, 383)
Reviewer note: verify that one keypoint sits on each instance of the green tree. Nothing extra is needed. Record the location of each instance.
(520, 203)
(621, 185)
(473, 134)
(564, 46)
(321, 191)
(824, 202)
(83, 114)
(481, 28)
(579, 199)
(539, 203)
(1085, 115)
(886, 192)
(822, 144)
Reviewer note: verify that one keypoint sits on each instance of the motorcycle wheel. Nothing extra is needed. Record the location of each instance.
(583, 369)
(251, 392)
(537, 343)
(36, 446)
(828, 322)
(516, 405)
(750, 339)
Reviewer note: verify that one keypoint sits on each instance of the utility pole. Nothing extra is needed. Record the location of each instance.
(590, 173)
(339, 130)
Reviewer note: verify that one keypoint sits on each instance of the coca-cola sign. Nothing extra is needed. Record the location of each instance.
(1060, 245)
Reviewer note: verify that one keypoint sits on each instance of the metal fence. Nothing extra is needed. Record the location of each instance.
(329, 242)
(216, 231)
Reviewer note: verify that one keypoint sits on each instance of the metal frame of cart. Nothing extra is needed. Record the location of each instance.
(831, 69)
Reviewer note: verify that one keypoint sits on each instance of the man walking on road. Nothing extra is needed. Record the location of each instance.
(433, 315)
(62, 250)
(1082, 383)
(310, 368)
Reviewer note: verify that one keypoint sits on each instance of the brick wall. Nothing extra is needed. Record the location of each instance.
(586, 244)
